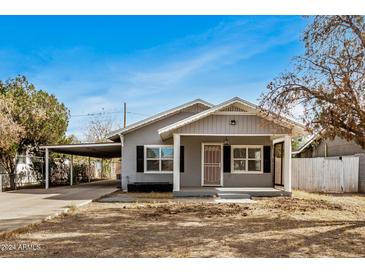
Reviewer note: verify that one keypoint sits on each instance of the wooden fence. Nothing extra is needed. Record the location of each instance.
(331, 175)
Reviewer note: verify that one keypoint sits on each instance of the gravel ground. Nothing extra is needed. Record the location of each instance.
(306, 225)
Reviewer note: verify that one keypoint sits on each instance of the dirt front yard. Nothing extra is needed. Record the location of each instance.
(306, 225)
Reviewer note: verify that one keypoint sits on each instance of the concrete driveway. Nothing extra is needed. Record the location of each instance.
(23, 207)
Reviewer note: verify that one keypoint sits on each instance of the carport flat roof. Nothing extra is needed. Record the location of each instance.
(97, 150)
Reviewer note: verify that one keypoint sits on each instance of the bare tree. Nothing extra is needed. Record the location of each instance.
(98, 129)
(328, 79)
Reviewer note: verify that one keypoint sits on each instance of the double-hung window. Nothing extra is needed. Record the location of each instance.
(158, 158)
(246, 159)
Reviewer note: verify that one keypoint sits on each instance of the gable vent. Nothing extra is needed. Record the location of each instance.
(233, 108)
(195, 108)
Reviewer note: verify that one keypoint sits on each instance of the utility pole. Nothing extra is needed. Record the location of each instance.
(125, 115)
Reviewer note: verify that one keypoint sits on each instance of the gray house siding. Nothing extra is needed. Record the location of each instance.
(221, 124)
(215, 124)
(337, 147)
(147, 135)
(191, 177)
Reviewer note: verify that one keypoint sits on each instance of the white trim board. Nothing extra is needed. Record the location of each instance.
(156, 117)
(160, 171)
(82, 145)
(223, 134)
(278, 140)
(246, 159)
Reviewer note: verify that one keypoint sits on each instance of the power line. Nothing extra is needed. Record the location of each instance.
(96, 113)
(106, 112)
(136, 113)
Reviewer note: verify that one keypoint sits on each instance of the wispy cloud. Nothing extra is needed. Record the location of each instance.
(152, 79)
(223, 45)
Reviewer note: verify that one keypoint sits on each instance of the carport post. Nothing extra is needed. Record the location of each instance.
(89, 170)
(72, 170)
(47, 169)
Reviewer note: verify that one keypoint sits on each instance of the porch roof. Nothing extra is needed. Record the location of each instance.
(97, 150)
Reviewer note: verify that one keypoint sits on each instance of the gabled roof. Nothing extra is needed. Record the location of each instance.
(307, 143)
(287, 122)
(115, 134)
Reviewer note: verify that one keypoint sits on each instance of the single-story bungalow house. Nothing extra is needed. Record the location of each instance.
(199, 145)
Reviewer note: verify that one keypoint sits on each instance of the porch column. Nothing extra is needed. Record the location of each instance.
(176, 177)
(287, 163)
(72, 170)
(46, 183)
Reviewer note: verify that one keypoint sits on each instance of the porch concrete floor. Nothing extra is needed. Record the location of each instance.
(213, 191)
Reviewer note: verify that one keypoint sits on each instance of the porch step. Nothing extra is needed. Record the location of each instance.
(230, 195)
(187, 194)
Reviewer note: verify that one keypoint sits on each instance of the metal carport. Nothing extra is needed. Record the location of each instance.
(97, 150)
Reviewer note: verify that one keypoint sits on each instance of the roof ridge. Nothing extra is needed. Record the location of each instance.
(160, 114)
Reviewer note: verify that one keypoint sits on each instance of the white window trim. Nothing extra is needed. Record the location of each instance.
(159, 159)
(246, 159)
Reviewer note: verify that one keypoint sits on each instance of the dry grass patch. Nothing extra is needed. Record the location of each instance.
(306, 225)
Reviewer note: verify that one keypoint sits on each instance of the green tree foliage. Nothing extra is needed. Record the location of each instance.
(29, 118)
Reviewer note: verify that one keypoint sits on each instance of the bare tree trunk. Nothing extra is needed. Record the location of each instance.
(12, 181)
(8, 162)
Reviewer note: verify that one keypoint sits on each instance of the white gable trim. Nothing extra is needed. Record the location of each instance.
(157, 117)
(253, 109)
(200, 115)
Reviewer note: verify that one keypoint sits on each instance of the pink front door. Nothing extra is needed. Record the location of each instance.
(212, 164)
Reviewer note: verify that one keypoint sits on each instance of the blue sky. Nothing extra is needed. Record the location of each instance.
(95, 63)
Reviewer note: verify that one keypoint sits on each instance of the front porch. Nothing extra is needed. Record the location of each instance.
(231, 145)
(221, 191)
(211, 166)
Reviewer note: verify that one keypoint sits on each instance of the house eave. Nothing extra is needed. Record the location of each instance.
(117, 133)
